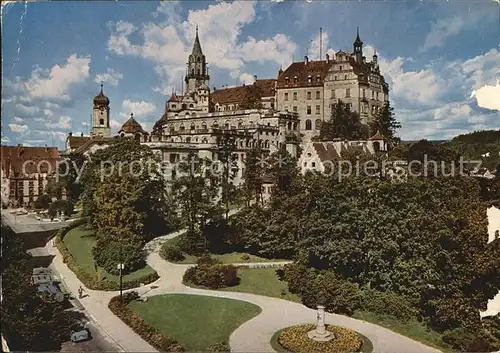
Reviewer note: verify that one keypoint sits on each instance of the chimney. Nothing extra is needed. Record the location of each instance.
(327, 58)
(70, 134)
(306, 59)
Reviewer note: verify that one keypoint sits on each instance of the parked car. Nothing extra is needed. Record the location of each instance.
(80, 336)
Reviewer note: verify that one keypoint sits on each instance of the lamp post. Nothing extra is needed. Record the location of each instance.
(120, 267)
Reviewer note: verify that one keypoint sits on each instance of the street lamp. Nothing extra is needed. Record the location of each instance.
(121, 267)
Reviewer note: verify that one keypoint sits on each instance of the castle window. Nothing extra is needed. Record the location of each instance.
(318, 78)
(295, 109)
(286, 96)
(286, 80)
(191, 106)
(377, 95)
(345, 77)
(317, 124)
(294, 96)
(192, 127)
(308, 95)
(101, 121)
(332, 94)
(373, 94)
(192, 72)
(182, 128)
(308, 124)
(340, 69)
(203, 126)
(313, 164)
(188, 139)
(335, 77)
(347, 92)
(308, 110)
(318, 110)
(318, 94)
(198, 59)
(309, 79)
(174, 106)
(295, 79)
(364, 93)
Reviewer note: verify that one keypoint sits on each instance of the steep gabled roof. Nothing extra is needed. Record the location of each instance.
(326, 151)
(131, 126)
(15, 159)
(317, 70)
(94, 140)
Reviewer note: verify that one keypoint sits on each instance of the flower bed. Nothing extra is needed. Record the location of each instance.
(294, 339)
(90, 281)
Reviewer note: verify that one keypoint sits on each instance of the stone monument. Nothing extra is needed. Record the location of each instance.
(320, 333)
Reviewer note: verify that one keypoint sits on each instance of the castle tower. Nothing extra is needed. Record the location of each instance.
(100, 116)
(197, 71)
(358, 48)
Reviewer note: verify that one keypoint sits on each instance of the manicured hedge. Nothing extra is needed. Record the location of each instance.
(86, 278)
(148, 333)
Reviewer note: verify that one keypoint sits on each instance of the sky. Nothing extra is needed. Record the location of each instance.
(440, 58)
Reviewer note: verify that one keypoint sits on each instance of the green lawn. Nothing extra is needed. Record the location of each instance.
(262, 281)
(195, 321)
(412, 329)
(80, 241)
(228, 258)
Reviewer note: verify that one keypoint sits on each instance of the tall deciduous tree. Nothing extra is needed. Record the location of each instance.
(226, 144)
(343, 123)
(255, 166)
(385, 122)
(31, 321)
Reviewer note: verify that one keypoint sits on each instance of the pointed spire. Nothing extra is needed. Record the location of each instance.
(197, 46)
(358, 40)
(102, 87)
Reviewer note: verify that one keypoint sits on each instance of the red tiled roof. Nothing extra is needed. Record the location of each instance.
(131, 126)
(14, 157)
(301, 70)
(77, 141)
(241, 94)
(94, 140)
(174, 98)
(377, 136)
(326, 151)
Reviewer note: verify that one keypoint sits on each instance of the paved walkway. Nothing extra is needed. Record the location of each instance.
(253, 336)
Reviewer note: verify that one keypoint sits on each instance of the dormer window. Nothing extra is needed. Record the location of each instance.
(286, 80)
(318, 78)
(295, 79)
(309, 79)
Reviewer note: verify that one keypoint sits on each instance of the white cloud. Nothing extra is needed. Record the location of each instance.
(167, 44)
(247, 78)
(138, 108)
(48, 112)
(111, 76)
(64, 123)
(56, 82)
(18, 119)
(18, 128)
(27, 109)
(488, 97)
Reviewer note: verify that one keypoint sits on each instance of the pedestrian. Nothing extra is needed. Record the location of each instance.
(497, 235)
(80, 292)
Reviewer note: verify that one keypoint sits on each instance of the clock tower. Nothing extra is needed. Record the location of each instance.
(100, 117)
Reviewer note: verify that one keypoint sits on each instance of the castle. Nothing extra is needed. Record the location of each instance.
(266, 113)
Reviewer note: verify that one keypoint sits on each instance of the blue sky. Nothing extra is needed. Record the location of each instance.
(441, 59)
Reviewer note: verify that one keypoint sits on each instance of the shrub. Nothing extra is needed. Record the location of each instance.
(171, 253)
(328, 289)
(43, 202)
(212, 275)
(60, 206)
(193, 243)
(295, 275)
(388, 303)
(221, 347)
(109, 254)
(139, 326)
(294, 339)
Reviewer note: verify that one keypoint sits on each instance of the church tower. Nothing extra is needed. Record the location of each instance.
(197, 71)
(100, 116)
(358, 48)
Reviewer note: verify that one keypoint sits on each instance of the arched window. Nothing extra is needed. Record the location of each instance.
(101, 121)
(215, 125)
(182, 128)
(204, 140)
(289, 125)
(295, 126)
(172, 129)
(317, 124)
(198, 59)
(308, 124)
(191, 106)
(376, 146)
(188, 139)
(203, 126)
(192, 127)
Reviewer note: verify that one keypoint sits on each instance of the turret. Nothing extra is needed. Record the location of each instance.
(358, 48)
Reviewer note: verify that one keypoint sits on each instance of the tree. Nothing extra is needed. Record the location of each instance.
(32, 321)
(253, 97)
(43, 202)
(284, 172)
(385, 122)
(255, 164)
(226, 144)
(195, 192)
(343, 123)
(127, 155)
(70, 173)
